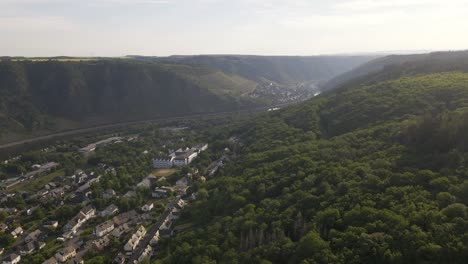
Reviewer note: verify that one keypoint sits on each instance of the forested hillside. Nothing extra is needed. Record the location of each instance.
(56, 95)
(369, 174)
(395, 66)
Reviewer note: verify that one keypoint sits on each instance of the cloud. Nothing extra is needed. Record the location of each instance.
(32, 23)
(128, 2)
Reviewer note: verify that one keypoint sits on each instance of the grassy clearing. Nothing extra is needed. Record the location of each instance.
(164, 172)
(183, 227)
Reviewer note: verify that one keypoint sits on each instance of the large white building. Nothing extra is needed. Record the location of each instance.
(163, 163)
(180, 157)
(184, 158)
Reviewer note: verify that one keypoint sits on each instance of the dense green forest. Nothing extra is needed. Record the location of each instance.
(368, 174)
(395, 66)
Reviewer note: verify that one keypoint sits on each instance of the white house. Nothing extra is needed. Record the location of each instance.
(50, 224)
(155, 239)
(133, 242)
(104, 228)
(17, 232)
(12, 259)
(65, 254)
(160, 192)
(84, 215)
(147, 207)
(200, 147)
(110, 210)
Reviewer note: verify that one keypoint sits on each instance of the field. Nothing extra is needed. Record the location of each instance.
(164, 172)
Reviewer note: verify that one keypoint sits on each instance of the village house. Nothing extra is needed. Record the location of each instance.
(133, 242)
(119, 231)
(50, 224)
(3, 227)
(109, 193)
(175, 213)
(148, 181)
(120, 259)
(130, 194)
(161, 192)
(155, 239)
(180, 204)
(30, 247)
(33, 236)
(200, 147)
(12, 259)
(101, 244)
(31, 210)
(182, 182)
(57, 192)
(68, 234)
(17, 232)
(110, 170)
(104, 228)
(145, 254)
(165, 233)
(27, 249)
(51, 260)
(147, 207)
(65, 254)
(84, 215)
(124, 217)
(110, 210)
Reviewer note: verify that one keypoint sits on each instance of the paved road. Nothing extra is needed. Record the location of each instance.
(116, 125)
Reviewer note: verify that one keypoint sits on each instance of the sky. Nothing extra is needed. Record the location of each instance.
(262, 27)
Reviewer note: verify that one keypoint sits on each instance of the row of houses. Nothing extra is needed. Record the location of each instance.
(76, 222)
(179, 157)
(134, 240)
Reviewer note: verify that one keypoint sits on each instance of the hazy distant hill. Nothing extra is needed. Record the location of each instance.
(394, 66)
(283, 70)
(64, 92)
(52, 95)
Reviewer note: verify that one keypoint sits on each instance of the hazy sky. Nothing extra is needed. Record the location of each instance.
(275, 27)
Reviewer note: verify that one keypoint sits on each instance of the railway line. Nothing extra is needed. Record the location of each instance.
(123, 124)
